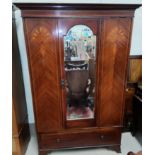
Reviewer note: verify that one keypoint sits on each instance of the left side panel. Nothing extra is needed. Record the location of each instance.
(42, 48)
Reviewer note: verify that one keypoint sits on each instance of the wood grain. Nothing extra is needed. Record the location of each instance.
(81, 138)
(42, 39)
(113, 61)
(77, 13)
(135, 70)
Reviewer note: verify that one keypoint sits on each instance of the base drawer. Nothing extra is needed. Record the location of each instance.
(108, 136)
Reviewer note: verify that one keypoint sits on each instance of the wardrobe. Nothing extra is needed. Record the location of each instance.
(78, 56)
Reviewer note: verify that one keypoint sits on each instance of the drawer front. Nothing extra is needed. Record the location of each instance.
(80, 139)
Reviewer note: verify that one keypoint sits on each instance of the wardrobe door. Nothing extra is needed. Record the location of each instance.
(42, 43)
(114, 53)
(78, 47)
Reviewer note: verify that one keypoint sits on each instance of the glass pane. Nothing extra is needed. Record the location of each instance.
(80, 60)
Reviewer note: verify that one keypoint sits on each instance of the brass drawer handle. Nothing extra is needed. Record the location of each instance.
(102, 137)
(127, 89)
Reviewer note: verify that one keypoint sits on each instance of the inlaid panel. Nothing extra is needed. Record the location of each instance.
(113, 63)
(135, 70)
(44, 66)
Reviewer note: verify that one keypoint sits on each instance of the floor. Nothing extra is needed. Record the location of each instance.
(80, 112)
(129, 143)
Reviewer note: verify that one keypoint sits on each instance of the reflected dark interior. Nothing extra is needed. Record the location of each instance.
(80, 77)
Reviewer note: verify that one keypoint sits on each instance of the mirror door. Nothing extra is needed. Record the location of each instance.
(78, 58)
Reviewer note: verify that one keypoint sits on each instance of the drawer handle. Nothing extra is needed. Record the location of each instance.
(58, 140)
(127, 89)
(102, 137)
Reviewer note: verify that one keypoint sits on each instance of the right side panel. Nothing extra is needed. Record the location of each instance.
(113, 56)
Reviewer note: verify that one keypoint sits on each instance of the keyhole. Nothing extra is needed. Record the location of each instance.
(58, 140)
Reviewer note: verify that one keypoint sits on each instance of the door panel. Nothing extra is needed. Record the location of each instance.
(42, 40)
(78, 42)
(113, 65)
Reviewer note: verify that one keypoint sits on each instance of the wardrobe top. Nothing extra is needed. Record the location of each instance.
(75, 6)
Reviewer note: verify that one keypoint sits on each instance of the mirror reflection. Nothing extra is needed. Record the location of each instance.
(80, 59)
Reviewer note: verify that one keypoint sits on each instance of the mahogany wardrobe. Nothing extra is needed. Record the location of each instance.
(78, 56)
